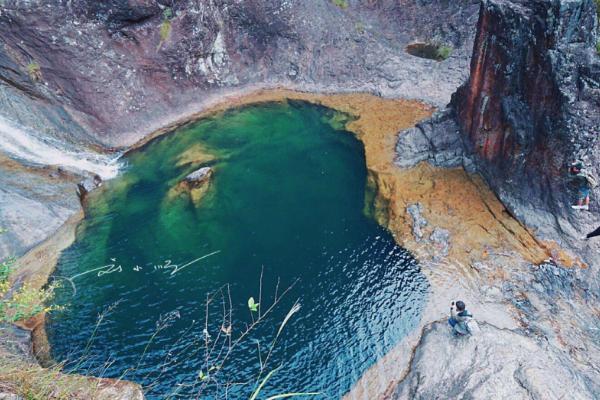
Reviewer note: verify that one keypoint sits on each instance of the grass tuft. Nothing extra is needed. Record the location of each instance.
(34, 70)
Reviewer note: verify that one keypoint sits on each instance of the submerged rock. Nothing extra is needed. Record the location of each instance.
(198, 177)
(194, 186)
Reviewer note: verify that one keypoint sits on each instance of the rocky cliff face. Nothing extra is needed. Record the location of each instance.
(106, 66)
(531, 105)
(100, 74)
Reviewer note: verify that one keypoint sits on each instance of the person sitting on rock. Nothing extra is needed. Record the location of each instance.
(585, 182)
(459, 318)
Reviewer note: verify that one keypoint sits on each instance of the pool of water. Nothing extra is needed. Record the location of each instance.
(288, 200)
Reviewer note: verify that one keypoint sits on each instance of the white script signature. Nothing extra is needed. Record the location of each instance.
(113, 267)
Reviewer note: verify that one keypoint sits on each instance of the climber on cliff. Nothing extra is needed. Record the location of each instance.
(459, 318)
(584, 181)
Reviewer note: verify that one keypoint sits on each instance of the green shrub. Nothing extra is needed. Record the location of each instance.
(343, 4)
(25, 302)
(598, 47)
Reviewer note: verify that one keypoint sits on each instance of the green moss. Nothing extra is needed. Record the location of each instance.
(598, 47)
(343, 4)
(337, 120)
(165, 26)
(443, 52)
(34, 70)
(165, 30)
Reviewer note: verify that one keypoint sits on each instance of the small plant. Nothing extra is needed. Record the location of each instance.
(598, 47)
(360, 27)
(25, 302)
(165, 26)
(343, 4)
(165, 30)
(5, 267)
(34, 70)
(443, 52)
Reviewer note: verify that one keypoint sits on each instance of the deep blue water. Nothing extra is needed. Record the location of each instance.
(288, 198)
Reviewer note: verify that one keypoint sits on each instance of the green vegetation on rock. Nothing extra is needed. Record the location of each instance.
(343, 4)
(24, 302)
(165, 30)
(165, 26)
(443, 52)
(34, 70)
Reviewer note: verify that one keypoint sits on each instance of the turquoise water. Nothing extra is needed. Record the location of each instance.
(287, 198)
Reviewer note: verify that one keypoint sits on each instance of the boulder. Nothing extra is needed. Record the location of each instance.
(199, 177)
(87, 185)
(194, 186)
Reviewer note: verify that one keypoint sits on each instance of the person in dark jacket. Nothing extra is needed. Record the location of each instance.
(459, 316)
(585, 182)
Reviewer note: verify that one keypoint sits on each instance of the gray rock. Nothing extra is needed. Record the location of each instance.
(441, 240)
(87, 185)
(418, 221)
(493, 364)
(9, 396)
(33, 205)
(436, 140)
(16, 342)
(199, 177)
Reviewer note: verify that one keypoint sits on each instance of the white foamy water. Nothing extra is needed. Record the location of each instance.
(23, 144)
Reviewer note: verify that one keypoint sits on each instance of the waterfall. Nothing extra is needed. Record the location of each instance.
(28, 146)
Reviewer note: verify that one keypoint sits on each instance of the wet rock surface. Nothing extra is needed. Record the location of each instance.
(195, 185)
(87, 185)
